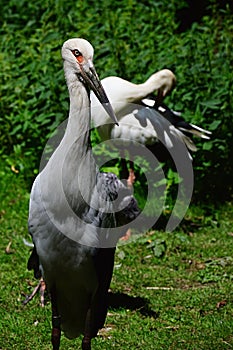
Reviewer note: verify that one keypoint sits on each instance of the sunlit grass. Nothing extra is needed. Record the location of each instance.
(181, 299)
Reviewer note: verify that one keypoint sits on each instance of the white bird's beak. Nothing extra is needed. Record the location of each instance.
(90, 77)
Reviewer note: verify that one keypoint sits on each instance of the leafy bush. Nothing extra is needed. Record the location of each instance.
(206, 95)
(131, 39)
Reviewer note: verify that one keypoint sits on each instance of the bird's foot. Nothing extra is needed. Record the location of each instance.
(56, 332)
(86, 343)
(126, 236)
(39, 288)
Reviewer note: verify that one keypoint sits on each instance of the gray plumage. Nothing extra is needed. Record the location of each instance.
(76, 214)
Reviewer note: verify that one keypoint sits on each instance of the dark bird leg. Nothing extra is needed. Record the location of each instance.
(123, 171)
(56, 321)
(130, 182)
(130, 176)
(96, 315)
(86, 342)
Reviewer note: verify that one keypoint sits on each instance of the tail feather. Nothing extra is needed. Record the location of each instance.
(34, 263)
(175, 118)
(196, 130)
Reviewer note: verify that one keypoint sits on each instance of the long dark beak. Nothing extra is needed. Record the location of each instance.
(90, 76)
(159, 98)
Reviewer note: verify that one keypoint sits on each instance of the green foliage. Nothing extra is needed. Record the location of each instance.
(203, 64)
(131, 39)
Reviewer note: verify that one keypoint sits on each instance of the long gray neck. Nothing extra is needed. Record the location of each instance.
(78, 127)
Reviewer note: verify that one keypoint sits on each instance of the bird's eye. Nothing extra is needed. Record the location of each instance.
(78, 55)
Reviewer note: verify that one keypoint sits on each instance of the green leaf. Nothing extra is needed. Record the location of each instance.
(207, 146)
(214, 125)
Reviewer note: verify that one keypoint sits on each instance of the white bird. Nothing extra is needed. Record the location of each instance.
(142, 118)
(124, 95)
(76, 213)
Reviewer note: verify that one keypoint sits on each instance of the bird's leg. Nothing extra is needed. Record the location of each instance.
(131, 178)
(86, 342)
(124, 173)
(42, 291)
(56, 321)
(130, 181)
(127, 174)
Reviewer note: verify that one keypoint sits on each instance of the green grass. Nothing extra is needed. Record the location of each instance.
(178, 297)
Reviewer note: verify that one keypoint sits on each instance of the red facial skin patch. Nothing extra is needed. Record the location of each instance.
(80, 59)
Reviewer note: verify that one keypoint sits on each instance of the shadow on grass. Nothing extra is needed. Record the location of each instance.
(121, 300)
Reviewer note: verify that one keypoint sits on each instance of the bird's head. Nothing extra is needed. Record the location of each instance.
(164, 81)
(167, 79)
(77, 55)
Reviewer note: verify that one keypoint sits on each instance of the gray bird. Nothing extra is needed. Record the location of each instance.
(76, 213)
